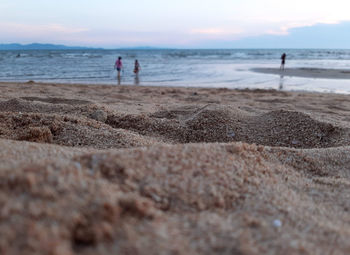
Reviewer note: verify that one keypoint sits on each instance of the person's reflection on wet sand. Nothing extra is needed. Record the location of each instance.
(119, 80)
(281, 82)
(137, 80)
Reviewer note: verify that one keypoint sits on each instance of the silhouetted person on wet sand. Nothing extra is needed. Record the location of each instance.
(283, 61)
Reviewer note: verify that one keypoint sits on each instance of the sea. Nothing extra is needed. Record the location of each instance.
(211, 68)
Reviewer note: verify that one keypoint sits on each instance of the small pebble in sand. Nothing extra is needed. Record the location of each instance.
(295, 142)
(277, 223)
(231, 134)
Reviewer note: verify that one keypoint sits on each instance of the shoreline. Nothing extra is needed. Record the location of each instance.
(160, 87)
(313, 73)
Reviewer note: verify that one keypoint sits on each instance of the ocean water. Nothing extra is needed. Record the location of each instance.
(189, 68)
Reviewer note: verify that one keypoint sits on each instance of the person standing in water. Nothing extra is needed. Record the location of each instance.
(118, 65)
(137, 67)
(283, 61)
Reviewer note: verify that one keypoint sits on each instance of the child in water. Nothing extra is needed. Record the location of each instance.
(118, 65)
(137, 67)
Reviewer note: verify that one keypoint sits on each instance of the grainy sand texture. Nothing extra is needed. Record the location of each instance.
(93, 169)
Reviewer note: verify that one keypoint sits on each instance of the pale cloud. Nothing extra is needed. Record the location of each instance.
(124, 38)
(215, 31)
(37, 30)
(258, 26)
(284, 29)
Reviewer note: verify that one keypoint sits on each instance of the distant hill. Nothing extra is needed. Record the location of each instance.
(39, 46)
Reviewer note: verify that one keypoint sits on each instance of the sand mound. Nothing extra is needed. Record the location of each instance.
(52, 106)
(240, 198)
(64, 122)
(294, 129)
(16, 154)
(213, 123)
(330, 162)
(185, 124)
(66, 130)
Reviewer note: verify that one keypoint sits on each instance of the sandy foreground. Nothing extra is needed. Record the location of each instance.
(92, 169)
(306, 72)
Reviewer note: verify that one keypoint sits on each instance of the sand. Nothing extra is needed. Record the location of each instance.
(92, 169)
(307, 72)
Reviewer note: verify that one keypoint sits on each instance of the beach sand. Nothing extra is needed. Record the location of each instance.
(93, 169)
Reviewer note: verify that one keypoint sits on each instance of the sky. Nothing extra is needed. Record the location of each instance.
(178, 24)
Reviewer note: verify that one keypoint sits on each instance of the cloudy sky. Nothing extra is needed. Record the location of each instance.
(180, 23)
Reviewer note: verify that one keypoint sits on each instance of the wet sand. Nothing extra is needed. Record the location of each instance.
(307, 72)
(92, 169)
